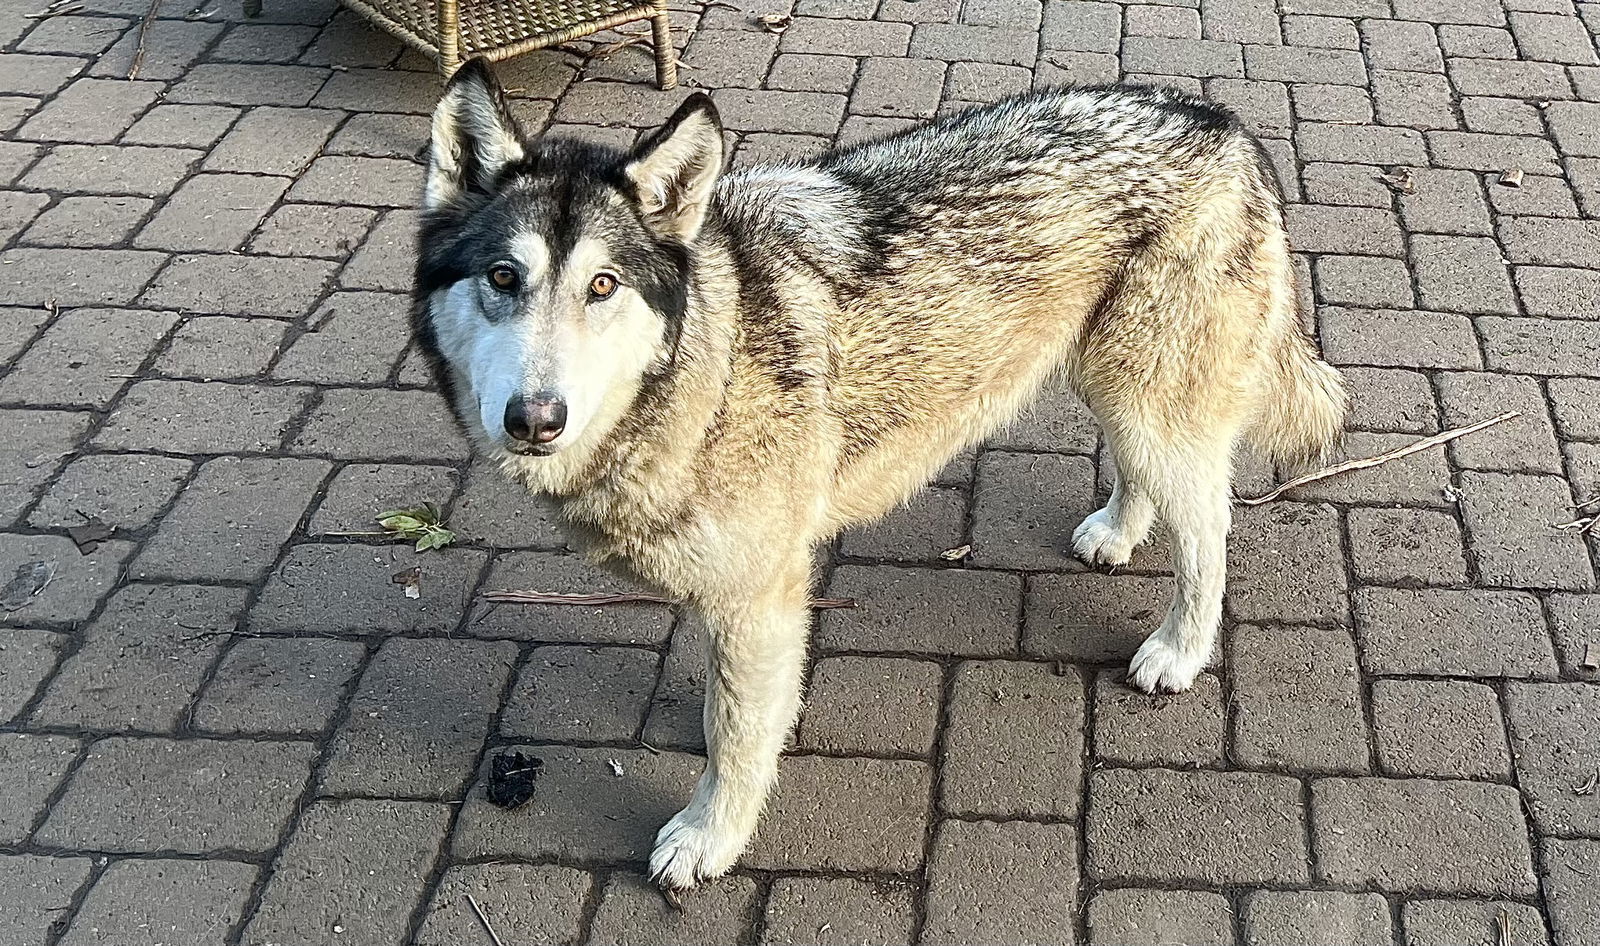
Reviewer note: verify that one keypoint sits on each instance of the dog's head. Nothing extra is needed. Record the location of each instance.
(553, 276)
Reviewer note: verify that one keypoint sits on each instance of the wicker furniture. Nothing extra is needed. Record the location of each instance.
(451, 31)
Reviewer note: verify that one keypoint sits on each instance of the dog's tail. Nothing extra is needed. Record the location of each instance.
(1304, 406)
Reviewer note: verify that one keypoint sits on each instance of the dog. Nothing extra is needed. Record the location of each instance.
(712, 373)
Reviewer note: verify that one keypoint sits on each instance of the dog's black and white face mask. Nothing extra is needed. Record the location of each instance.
(552, 276)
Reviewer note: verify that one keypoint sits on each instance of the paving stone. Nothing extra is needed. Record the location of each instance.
(911, 610)
(120, 170)
(1568, 395)
(1328, 32)
(1180, 731)
(731, 57)
(918, 11)
(312, 230)
(37, 75)
(1364, 281)
(272, 140)
(93, 111)
(354, 338)
(142, 660)
(230, 84)
(380, 425)
(1484, 152)
(18, 211)
(273, 685)
(1025, 508)
(557, 688)
(1535, 346)
(1283, 917)
(231, 520)
(1446, 201)
(1357, 144)
(1391, 401)
(212, 212)
(1548, 38)
(1057, 421)
(14, 155)
(1472, 923)
(897, 87)
(1264, 106)
(1572, 891)
(1185, 57)
(903, 698)
(495, 510)
(88, 222)
(837, 910)
(542, 903)
(76, 361)
(1351, 185)
(765, 110)
(161, 901)
(766, 148)
(1554, 749)
(841, 38)
(325, 880)
(584, 811)
(378, 135)
(1406, 547)
(181, 126)
(241, 285)
(953, 42)
(73, 35)
(1576, 621)
(29, 453)
(1285, 564)
(191, 796)
(210, 347)
(371, 182)
(1514, 549)
(632, 911)
(1288, 684)
(932, 524)
(615, 624)
(18, 325)
(1477, 42)
(1241, 21)
(1214, 828)
(1457, 837)
(1391, 338)
(1362, 230)
(1439, 729)
(348, 588)
(30, 656)
(32, 766)
(1528, 80)
(171, 46)
(418, 721)
(72, 278)
(1537, 197)
(264, 43)
(809, 72)
(1015, 741)
(676, 717)
(38, 889)
(1090, 617)
(1301, 64)
(1085, 27)
(1012, 880)
(1413, 99)
(1526, 443)
(77, 581)
(1505, 116)
(196, 417)
(1481, 633)
(1462, 274)
(881, 831)
(1399, 44)
(360, 491)
(1176, 917)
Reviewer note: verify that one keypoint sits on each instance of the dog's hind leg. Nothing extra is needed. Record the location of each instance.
(1187, 485)
(1109, 535)
(755, 658)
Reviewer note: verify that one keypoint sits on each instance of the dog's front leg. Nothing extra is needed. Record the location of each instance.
(755, 657)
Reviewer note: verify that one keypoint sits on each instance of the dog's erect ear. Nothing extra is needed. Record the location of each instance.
(474, 136)
(677, 166)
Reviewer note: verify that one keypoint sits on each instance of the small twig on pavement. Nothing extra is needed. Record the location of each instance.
(138, 48)
(485, 921)
(1363, 463)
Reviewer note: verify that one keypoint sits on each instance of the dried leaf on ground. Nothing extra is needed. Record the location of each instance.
(29, 580)
(423, 524)
(88, 536)
(410, 579)
(511, 779)
(1511, 177)
(1400, 181)
(956, 554)
(774, 22)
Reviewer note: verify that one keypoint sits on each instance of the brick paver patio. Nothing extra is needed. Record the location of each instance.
(228, 724)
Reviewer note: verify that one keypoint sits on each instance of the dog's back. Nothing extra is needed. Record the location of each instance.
(1130, 237)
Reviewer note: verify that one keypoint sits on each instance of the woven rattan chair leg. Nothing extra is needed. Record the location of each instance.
(449, 37)
(666, 55)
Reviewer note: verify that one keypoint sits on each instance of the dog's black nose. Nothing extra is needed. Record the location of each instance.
(536, 419)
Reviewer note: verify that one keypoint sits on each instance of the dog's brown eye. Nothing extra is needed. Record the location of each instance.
(504, 278)
(602, 286)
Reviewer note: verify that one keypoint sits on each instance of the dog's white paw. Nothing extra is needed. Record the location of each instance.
(1158, 667)
(1099, 540)
(688, 852)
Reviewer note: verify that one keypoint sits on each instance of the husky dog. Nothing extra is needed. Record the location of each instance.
(712, 373)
